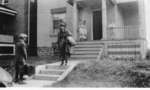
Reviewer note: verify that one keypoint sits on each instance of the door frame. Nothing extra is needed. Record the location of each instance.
(94, 10)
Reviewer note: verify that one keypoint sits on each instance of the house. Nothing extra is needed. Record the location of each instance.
(118, 24)
(18, 16)
(13, 20)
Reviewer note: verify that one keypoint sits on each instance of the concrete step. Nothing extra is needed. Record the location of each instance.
(46, 77)
(56, 67)
(88, 46)
(51, 72)
(86, 49)
(85, 52)
(90, 42)
(84, 56)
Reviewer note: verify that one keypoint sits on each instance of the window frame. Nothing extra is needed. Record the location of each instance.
(57, 11)
(4, 2)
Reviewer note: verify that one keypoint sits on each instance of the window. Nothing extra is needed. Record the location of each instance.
(58, 15)
(4, 2)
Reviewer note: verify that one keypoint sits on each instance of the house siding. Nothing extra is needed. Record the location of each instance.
(45, 35)
(19, 23)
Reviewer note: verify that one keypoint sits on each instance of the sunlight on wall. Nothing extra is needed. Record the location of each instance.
(147, 17)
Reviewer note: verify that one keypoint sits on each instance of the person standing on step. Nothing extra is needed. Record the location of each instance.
(63, 44)
(21, 57)
(82, 31)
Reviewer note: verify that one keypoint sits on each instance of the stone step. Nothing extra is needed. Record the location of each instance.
(56, 67)
(45, 77)
(51, 72)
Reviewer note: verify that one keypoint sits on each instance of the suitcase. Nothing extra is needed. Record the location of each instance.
(28, 70)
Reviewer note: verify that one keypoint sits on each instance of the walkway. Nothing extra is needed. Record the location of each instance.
(48, 74)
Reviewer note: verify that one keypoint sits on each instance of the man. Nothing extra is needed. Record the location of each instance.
(63, 43)
(21, 57)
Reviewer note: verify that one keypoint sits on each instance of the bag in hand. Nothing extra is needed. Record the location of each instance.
(28, 70)
(71, 40)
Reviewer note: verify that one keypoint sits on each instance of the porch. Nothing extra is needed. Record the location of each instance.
(109, 20)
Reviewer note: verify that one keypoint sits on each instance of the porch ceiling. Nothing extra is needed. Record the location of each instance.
(94, 4)
(129, 6)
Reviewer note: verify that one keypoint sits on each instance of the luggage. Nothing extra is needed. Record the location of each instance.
(28, 70)
(71, 40)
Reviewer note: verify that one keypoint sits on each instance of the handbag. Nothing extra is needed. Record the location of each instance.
(71, 40)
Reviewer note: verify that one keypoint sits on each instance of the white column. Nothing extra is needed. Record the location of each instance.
(142, 27)
(75, 20)
(142, 31)
(104, 18)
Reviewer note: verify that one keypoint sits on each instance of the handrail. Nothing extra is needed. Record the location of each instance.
(124, 32)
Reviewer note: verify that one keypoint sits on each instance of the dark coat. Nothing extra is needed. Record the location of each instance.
(21, 53)
(63, 43)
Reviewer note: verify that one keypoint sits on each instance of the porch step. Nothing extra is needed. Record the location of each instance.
(86, 49)
(84, 56)
(90, 43)
(46, 77)
(86, 52)
(89, 46)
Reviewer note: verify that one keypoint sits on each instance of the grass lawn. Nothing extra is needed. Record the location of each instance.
(103, 73)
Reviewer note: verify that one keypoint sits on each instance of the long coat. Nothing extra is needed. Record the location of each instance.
(63, 44)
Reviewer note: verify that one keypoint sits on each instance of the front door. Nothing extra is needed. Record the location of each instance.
(97, 25)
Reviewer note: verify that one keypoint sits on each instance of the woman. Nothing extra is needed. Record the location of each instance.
(63, 43)
(83, 31)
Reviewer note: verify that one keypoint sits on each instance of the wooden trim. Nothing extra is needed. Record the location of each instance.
(8, 45)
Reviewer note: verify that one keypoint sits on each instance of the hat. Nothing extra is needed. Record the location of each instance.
(22, 35)
(62, 24)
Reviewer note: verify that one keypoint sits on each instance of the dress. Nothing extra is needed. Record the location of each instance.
(82, 33)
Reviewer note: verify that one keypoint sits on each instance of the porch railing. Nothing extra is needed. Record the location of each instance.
(124, 32)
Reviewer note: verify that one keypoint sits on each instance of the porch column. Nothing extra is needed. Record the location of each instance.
(75, 19)
(142, 27)
(142, 31)
(104, 18)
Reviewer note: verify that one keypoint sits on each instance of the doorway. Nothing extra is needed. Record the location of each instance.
(97, 25)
